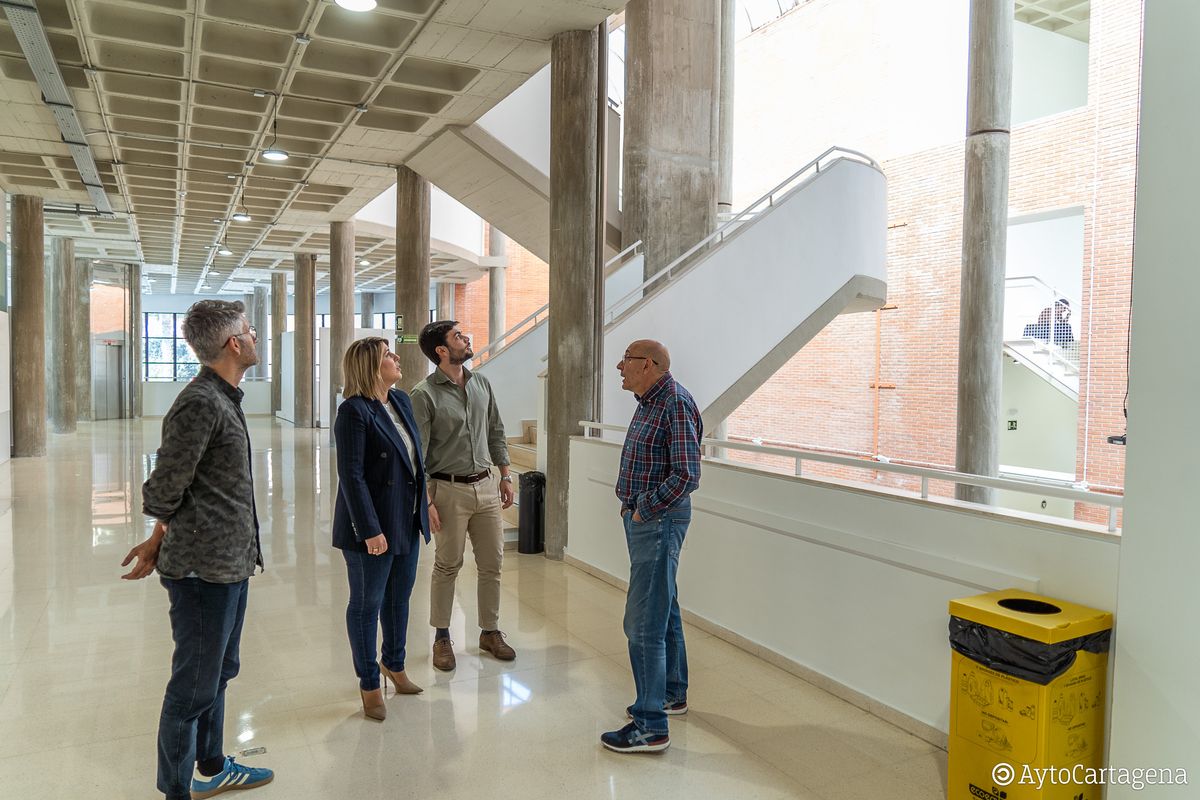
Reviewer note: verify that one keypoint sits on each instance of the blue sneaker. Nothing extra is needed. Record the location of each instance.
(632, 739)
(670, 709)
(232, 776)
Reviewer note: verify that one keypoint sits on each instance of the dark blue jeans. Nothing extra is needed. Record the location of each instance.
(206, 624)
(652, 622)
(379, 590)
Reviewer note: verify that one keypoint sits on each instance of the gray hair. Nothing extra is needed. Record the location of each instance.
(208, 326)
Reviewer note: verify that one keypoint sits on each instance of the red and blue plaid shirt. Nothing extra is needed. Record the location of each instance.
(660, 462)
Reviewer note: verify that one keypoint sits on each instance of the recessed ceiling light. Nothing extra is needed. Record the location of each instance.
(275, 154)
(356, 5)
(241, 216)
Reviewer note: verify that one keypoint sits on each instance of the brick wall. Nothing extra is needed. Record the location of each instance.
(1084, 157)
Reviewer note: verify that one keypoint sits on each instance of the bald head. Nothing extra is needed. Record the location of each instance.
(657, 352)
(643, 365)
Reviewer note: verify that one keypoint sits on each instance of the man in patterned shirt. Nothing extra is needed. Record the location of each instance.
(660, 468)
(205, 547)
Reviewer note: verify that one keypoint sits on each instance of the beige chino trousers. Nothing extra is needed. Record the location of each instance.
(467, 510)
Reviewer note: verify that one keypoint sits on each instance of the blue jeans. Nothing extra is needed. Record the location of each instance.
(379, 590)
(206, 624)
(652, 622)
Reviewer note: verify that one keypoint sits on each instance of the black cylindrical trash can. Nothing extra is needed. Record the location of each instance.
(532, 516)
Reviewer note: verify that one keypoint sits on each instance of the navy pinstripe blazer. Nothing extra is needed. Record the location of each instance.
(379, 490)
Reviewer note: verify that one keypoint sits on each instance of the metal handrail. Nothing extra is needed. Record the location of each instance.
(1053, 290)
(505, 339)
(784, 187)
(1112, 502)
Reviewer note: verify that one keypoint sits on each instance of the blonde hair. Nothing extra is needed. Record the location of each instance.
(360, 366)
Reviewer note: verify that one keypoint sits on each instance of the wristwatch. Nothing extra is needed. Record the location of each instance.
(507, 478)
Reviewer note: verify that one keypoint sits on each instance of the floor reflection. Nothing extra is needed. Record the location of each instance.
(84, 657)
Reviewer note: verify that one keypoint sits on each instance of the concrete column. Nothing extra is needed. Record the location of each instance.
(278, 326)
(497, 291)
(248, 302)
(28, 327)
(1154, 712)
(341, 307)
(135, 327)
(571, 378)
(62, 317)
(412, 270)
(306, 295)
(985, 232)
(445, 300)
(725, 107)
(671, 98)
(83, 339)
(367, 302)
(257, 312)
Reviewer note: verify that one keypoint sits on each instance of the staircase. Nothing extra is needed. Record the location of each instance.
(522, 453)
(811, 249)
(1035, 338)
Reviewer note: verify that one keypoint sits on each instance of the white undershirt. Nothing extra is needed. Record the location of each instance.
(404, 436)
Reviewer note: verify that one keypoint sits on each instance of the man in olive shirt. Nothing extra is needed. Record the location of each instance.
(462, 438)
(205, 547)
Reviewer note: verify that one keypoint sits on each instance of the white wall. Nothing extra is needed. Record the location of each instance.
(1050, 73)
(1049, 247)
(865, 74)
(449, 220)
(1156, 707)
(521, 121)
(1046, 422)
(848, 583)
(157, 397)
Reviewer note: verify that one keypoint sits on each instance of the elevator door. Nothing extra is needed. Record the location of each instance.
(107, 381)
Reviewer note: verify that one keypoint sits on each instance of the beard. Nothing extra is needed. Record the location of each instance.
(463, 358)
(250, 359)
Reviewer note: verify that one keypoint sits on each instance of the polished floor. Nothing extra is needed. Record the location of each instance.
(84, 657)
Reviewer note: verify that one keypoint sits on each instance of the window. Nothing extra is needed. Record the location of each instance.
(167, 356)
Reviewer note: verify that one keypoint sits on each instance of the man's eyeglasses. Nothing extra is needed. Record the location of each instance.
(642, 358)
(252, 333)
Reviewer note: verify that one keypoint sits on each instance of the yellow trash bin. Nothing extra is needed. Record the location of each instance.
(1027, 697)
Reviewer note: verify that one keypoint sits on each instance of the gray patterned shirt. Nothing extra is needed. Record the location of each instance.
(202, 486)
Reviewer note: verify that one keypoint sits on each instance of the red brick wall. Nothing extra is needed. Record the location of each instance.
(527, 288)
(1084, 157)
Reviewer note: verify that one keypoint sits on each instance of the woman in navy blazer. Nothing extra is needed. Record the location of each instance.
(380, 512)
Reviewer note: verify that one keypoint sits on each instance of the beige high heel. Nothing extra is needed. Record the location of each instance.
(373, 706)
(400, 681)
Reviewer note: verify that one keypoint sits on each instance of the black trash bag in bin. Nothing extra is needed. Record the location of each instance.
(531, 517)
(1015, 655)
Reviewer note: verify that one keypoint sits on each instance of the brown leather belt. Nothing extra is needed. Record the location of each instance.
(441, 476)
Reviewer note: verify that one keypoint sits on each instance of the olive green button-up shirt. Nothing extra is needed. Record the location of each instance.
(461, 430)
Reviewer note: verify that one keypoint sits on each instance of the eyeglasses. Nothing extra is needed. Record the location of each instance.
(252, 333)
(636, 358)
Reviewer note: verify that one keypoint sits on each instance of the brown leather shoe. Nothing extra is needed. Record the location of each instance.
(494, 643)
(443, 655)
(373, 706)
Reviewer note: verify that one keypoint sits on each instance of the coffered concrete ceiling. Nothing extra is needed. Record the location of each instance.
(177, 99)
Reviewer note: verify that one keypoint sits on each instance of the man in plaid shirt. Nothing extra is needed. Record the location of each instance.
(660, 468)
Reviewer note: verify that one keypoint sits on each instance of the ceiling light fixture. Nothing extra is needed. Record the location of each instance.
(356, 5)
(224, 250)
(273, 153)
(364, 263)
(241, 216)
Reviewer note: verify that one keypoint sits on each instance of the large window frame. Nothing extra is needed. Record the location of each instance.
(173, 358)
